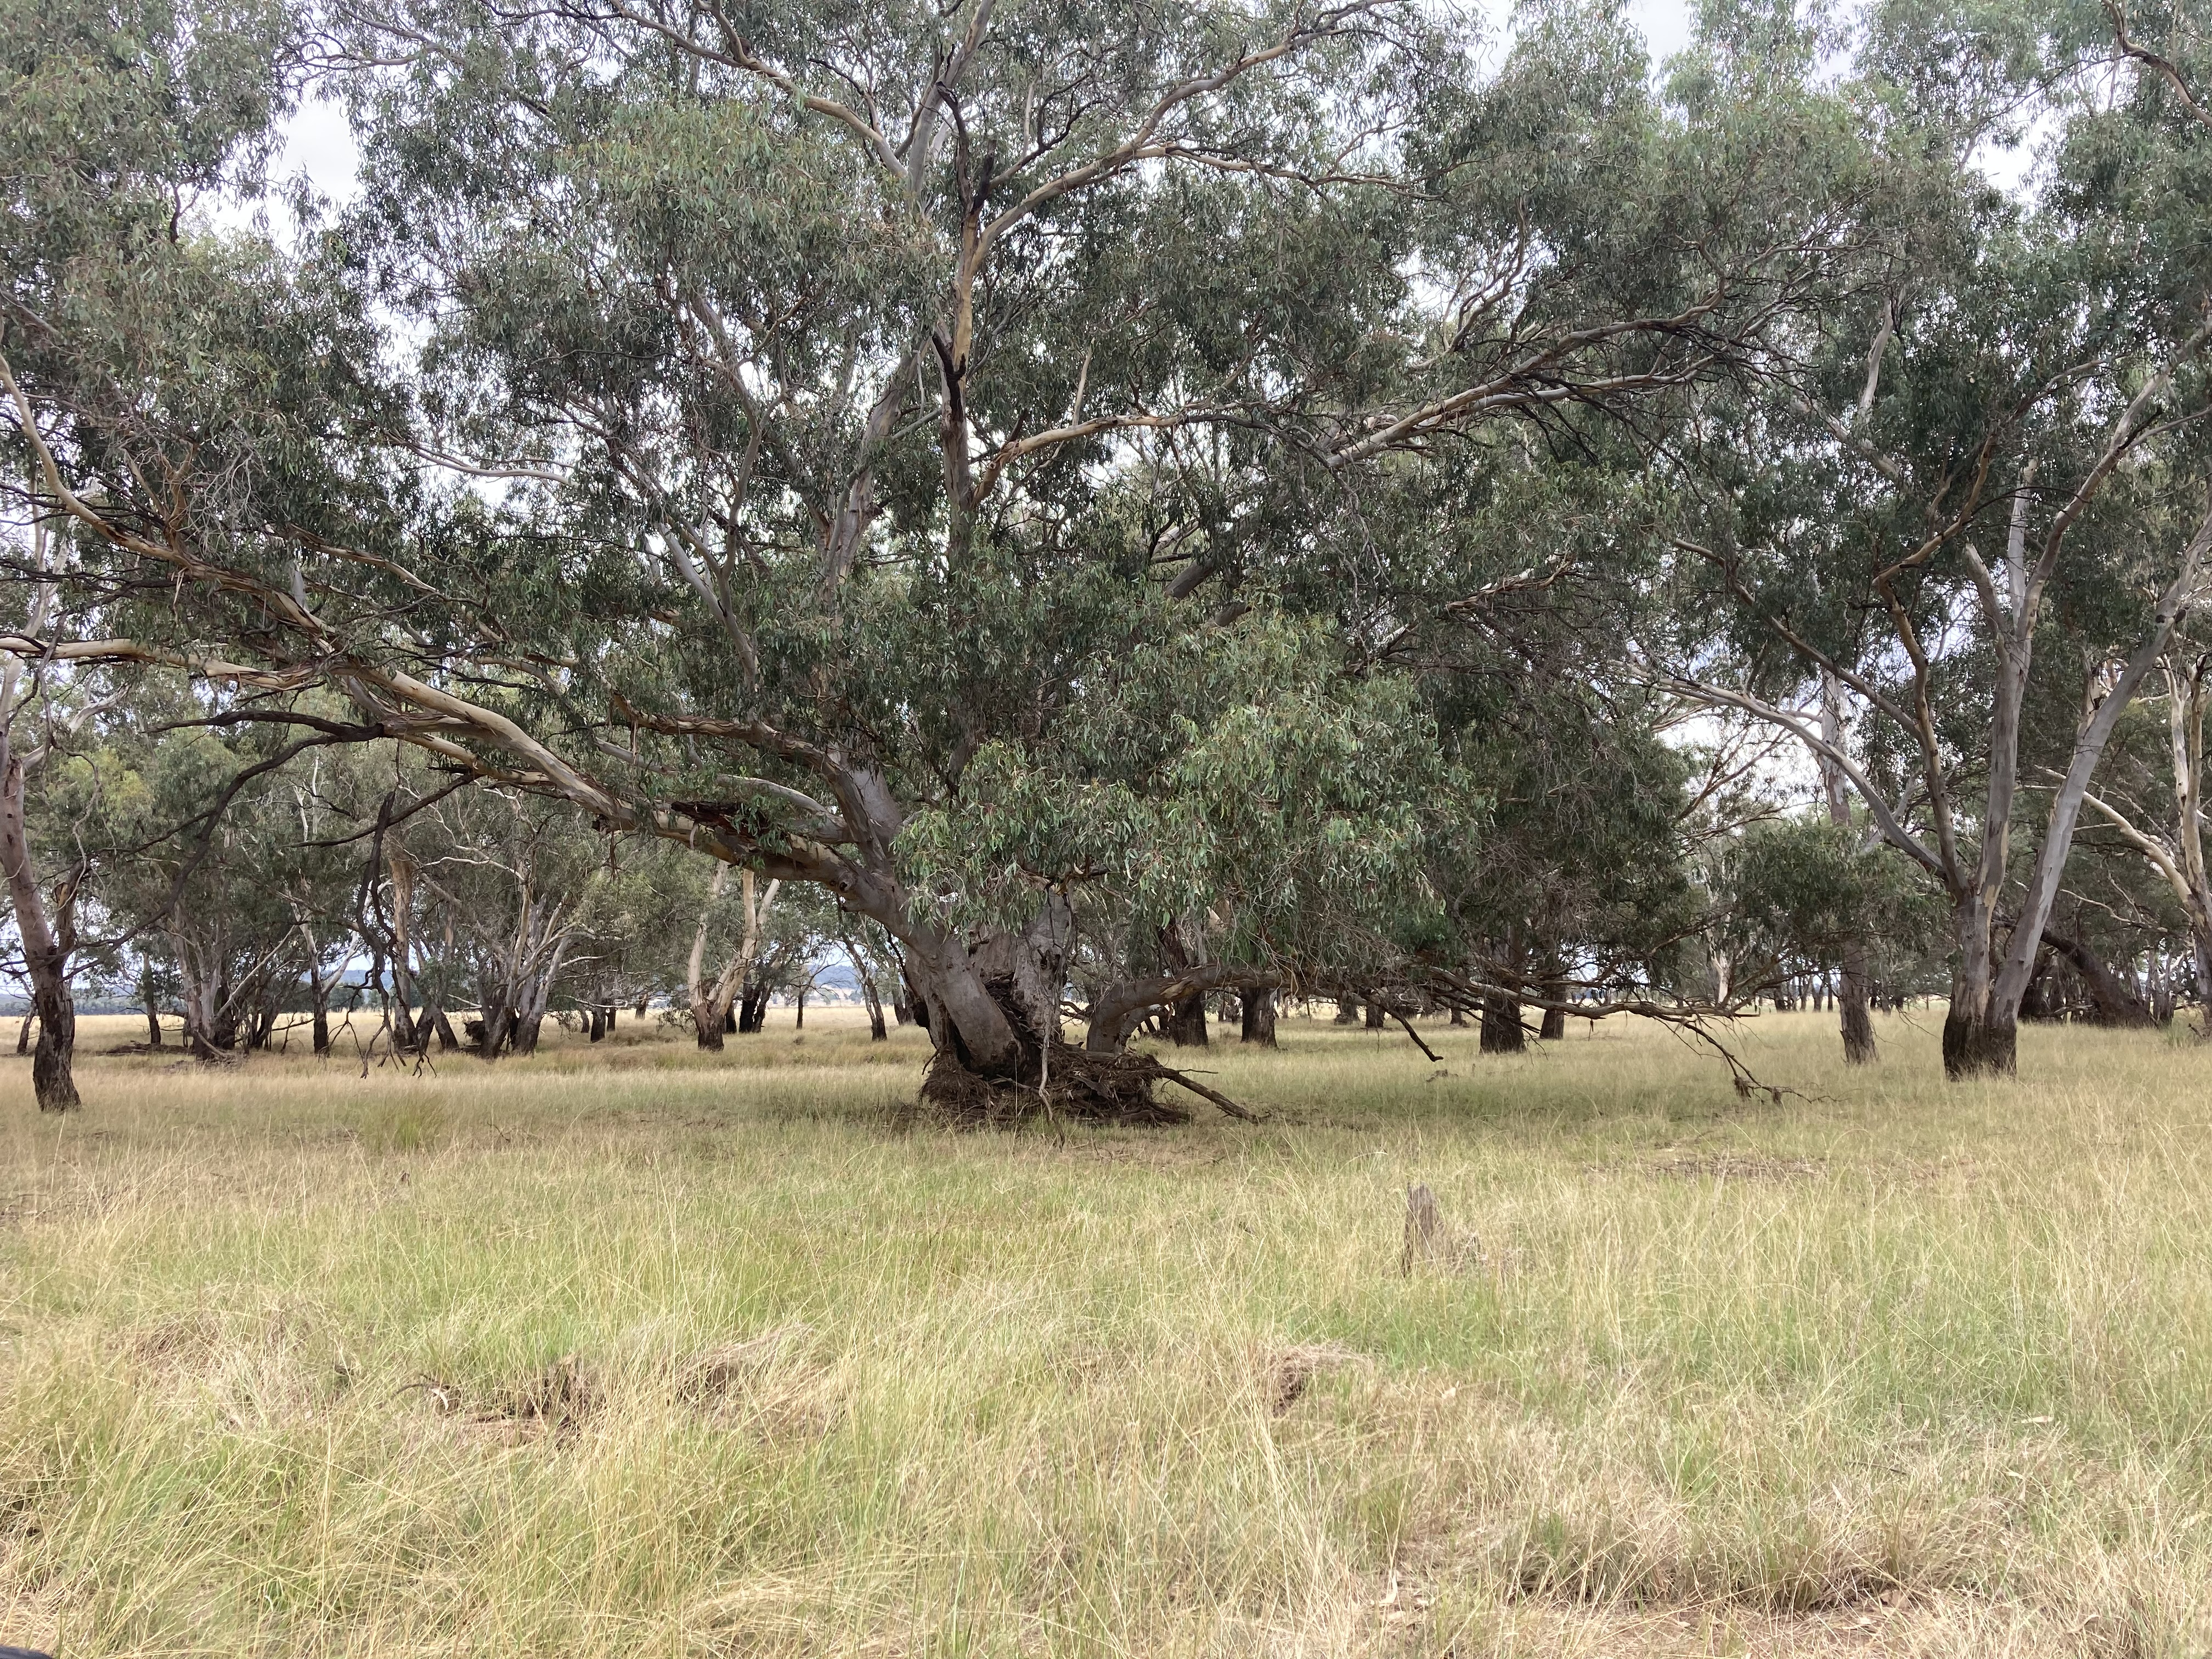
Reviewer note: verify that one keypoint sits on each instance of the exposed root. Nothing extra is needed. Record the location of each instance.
(1080, 1086)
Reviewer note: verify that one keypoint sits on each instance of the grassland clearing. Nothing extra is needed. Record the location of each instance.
(625, 1350)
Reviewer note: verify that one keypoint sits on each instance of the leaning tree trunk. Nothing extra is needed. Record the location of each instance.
(2113, 1002)
(1258, 1017)
(46, 946)
(435, 1015)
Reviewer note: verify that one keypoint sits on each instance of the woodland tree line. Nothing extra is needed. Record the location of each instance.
(1081, 508)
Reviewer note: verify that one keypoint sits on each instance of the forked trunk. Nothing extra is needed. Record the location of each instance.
(1975, 1045)
(713, 1001)
(435, 1014)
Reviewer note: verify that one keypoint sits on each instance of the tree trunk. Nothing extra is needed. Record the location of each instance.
(1851, 1002)
(712, 1001)
(405, 1039)
(1852, 993)
(708, 1024)
(752, 1013)
(23, 1032)
(798, 1022)
(208, 1027)
(1501, 1026)
(874, 1000)
(1978, 1039)
(1185, 1014)
(2113, 1002)
(435, 1014)
(597, 1023)
(1186, 1022)
(1258, 1017)
(1974, 1045)
(46, 946)
(152, 1003)
(1554, 1027)
(1348, 1012)
(1377, 1019)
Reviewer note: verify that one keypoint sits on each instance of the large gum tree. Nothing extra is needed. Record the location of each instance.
(786, 430)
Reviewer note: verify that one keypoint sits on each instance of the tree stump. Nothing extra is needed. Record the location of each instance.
(1423, 1227)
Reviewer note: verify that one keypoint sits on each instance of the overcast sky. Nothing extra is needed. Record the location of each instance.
(317, 142)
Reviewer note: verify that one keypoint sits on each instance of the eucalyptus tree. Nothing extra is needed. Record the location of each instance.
(743, 917)
(743, 428)
(219, 853)
(638, 915)
(509, 875)
(1988, 473)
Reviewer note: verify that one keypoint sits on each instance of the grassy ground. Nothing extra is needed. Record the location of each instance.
(622, 1352)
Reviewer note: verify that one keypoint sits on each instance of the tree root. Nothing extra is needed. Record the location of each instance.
(1080, 1086)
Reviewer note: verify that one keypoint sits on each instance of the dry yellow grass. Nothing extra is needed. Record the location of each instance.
(628, 1350)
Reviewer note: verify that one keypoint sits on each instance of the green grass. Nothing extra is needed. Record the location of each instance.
(630, 1351)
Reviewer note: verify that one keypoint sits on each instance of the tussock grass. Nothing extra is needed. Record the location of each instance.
(630, 1351)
